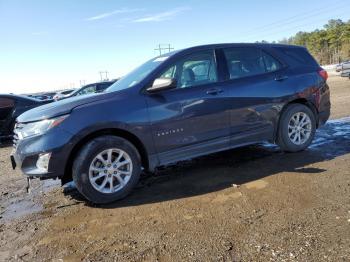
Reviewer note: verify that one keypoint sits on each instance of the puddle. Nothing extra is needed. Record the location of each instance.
(26, 205)
(21, 208)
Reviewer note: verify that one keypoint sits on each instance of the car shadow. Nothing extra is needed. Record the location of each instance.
(234, 167)
(5, 142)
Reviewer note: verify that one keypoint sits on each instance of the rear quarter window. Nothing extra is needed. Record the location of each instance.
(298, 56)
(249, 61)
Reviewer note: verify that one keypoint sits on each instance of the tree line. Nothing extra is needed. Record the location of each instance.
(329, 45)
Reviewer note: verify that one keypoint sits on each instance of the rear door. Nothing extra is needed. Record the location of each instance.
(257, 83)
(193, 118)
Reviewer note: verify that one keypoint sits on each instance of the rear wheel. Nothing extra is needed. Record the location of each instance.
(106, 169)
(297, 128)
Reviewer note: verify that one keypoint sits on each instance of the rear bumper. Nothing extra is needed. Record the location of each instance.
(323, 117)
(324, 104)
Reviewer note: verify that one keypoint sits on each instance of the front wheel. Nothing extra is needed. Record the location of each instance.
(297, 128)
(106, 169)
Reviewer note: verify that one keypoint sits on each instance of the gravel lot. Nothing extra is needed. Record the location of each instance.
(250, 204)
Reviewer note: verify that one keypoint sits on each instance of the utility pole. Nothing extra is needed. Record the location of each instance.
(106, 75)
(82, 82)
(162, 47)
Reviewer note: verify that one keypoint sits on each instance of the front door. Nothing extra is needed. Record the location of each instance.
(193, 118)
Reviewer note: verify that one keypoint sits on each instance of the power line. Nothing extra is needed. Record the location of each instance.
(264, 34)
(104, 73)
(307, 14)
(162, 47)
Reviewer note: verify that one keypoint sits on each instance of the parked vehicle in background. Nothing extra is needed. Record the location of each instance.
(11, 106)
(345, 71)
(90, 89)
(42, 95)
(61, 94)
(174, 107)
(338, 68)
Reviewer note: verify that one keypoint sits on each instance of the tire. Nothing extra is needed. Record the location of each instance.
(93, 162)
(285, 138)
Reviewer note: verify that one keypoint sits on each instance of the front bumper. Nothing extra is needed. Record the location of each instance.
(27, 151)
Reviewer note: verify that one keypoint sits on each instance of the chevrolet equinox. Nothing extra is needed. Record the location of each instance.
(174, 107)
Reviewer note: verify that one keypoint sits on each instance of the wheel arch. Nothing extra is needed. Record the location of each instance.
(134, 140)
(302, 101)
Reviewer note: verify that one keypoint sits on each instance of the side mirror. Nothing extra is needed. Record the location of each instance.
(160, 84)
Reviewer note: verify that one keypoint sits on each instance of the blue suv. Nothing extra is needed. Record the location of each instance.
(174, 107)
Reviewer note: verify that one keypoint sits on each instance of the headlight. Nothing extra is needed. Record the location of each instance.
(39, 127)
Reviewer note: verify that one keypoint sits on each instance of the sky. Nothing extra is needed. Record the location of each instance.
(51, 45)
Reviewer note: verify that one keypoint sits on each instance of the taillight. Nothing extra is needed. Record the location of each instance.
(323, 73)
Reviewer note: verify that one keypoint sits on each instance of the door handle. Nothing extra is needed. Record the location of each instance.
(214, 91)
(281, 78)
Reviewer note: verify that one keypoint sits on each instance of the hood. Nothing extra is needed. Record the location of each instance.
(59, 108)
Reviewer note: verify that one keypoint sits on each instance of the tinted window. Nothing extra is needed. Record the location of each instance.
(170, 73)
(298, 56)
(193, 70)
(271, 64)
(247, 61)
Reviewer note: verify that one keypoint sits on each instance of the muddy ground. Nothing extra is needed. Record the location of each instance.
(250, 204)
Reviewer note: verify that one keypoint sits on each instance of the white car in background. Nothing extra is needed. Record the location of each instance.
(345, 69)
(61, 94)
(338, 67)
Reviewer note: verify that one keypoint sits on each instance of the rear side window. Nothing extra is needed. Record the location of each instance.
(298, 56)
(271, 64)
(249, 61)
(102, 87)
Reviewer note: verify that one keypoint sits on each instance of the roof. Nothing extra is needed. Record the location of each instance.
(222, 45)
(226, 45)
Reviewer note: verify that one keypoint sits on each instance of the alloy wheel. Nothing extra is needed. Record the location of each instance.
(110, 170)
(299, 128)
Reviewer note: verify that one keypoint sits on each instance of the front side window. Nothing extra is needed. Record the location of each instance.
(249, 61)
(193, 70)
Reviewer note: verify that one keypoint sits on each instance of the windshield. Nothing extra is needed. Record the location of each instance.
(137, 75)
